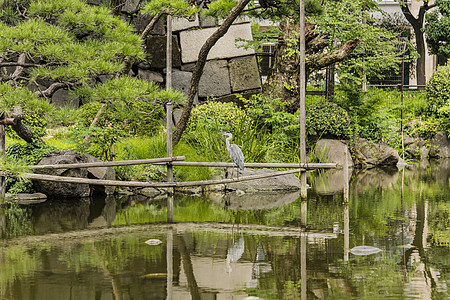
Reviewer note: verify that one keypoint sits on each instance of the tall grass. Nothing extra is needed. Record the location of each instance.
(155, 147)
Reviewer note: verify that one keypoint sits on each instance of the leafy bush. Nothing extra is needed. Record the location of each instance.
(133, 105)
(327, 118)
(438, 94)
(23, 154)
(218, 116)
(23, 101)
(213, 117)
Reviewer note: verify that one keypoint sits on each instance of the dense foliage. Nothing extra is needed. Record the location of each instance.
(438, 95)
(437, 29)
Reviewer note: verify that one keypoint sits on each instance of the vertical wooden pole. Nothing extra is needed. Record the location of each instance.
(2, 154)
(169, 53)
(169, 165)
(169, 262)
(346, 207)
(346, 181)
(346, 231)
(401, 110)
(302, 93)
(169, 117)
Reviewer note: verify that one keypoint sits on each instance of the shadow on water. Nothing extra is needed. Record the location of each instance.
(269, 246)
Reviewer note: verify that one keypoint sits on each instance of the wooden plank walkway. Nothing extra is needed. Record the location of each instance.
(44, 177)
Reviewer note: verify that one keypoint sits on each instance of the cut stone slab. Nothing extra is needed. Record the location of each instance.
(244, 74)
(179, 24)
(156, 49)
(180, 82)
(148, 75)
(192, 40)
(130, 6)
(215, 80)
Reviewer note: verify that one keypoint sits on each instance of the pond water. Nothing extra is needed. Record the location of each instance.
(95, 248)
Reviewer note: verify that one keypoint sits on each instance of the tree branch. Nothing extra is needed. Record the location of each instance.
(50, 90)
(322, 60)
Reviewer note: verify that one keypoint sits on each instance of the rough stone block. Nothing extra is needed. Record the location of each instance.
(207, 21)
(63, 98)
(244, 74)
(179, 24)
(215, 80)
(156, 49)
(130, 6)
(192, 40)
(148, 75)
(180, 82)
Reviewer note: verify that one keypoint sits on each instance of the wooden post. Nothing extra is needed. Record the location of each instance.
(169, 165)
(2, 154)
(169, 262)
(346, 207)
(346, 231)
(169, 53)
(346, 181)
(302, 93)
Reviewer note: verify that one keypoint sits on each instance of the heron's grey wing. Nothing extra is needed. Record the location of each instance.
(236, 156)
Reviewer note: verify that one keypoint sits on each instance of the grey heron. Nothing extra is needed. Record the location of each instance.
(234, 151)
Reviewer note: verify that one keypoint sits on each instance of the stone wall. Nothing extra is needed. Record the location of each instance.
(229, 70)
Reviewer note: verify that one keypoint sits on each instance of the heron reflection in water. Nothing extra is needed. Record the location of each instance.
(234, 151)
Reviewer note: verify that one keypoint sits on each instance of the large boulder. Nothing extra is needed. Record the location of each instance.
(70, 190)
(416, 147)
(440, 145)
(332, 151)
(287, 182)
(370, 154)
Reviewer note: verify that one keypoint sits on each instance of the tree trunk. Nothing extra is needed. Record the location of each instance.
(417, 24)
(24, 132)
(199, 66)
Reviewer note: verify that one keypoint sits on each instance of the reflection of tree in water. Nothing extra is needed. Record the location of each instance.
(15, 221)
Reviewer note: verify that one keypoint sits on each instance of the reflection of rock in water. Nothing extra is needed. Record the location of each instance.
(74, 214)
(61, 215)
(107, 212)
(265, 200)
(329, 182)
(373, 178)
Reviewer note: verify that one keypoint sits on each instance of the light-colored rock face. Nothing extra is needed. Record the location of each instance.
(332, 151)
(279, 183)
(244, 74)
(192, 40)
(215, 80)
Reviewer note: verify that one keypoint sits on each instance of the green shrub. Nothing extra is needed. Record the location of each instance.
(133, 105)
(28, 154)
(327, 118)
(218, 116)
(438, 93)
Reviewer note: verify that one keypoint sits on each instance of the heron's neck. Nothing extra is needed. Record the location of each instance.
(227, 141)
